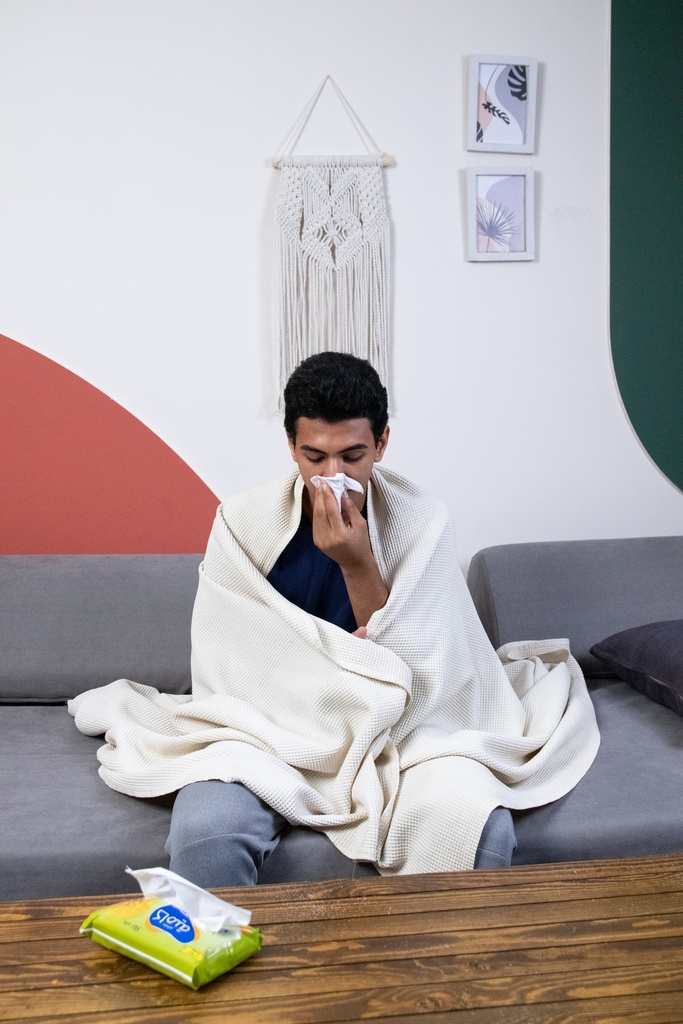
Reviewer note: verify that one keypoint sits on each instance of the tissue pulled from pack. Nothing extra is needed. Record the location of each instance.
(176, 928)
(339, 483)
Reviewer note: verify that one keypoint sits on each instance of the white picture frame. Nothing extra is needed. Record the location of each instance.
(501, 104)
(500, 214)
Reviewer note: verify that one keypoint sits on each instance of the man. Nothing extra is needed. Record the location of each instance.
(336, 422)
(341, 678)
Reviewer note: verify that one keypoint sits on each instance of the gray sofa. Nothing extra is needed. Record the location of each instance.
(72, 622)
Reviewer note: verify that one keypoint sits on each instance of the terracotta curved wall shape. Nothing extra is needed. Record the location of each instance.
(81, 475)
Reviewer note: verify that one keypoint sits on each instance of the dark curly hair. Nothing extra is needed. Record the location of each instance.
(334, 386)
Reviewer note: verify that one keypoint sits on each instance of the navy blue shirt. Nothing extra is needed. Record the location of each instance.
(312, 580)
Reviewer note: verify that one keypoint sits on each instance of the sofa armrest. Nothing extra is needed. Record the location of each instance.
(584, 590)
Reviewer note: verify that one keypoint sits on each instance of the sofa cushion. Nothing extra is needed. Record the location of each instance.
(650, 658)
(583, 590)
(628, 803)
(72, 622)
(64, 832)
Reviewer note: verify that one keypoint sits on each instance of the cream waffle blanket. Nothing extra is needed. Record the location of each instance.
(398, 746)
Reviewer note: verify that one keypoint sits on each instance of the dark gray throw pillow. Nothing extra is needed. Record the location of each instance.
(650, 658)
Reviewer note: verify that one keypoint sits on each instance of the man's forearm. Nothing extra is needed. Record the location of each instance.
(366, 589)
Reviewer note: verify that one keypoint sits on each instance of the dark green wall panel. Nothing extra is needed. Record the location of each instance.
(647, 223)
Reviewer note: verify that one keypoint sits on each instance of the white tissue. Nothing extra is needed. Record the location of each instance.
(339, 483)
(208, 911)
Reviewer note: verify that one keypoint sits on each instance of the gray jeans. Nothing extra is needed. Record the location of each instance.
(223, 834)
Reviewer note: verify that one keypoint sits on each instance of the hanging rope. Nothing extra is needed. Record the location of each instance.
(332, 234)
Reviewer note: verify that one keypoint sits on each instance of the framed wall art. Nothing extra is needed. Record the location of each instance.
(501, 104)
(500, 214)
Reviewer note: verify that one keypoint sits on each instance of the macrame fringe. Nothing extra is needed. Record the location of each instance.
(332, 275)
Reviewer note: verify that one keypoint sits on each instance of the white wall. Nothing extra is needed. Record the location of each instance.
(136, 203)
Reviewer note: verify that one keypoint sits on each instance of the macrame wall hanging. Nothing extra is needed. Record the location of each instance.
(332, 238)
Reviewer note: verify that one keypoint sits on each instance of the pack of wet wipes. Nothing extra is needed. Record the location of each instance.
(176, 928)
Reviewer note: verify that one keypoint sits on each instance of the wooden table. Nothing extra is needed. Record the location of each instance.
(593, 941)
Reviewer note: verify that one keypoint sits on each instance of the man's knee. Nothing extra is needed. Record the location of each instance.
(498, 840)
(221, 833)
(207, 810)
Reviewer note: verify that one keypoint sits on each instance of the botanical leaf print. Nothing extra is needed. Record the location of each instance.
(495, 112)
(495, 222)
(517, 81)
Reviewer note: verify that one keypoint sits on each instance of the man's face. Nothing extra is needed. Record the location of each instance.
(324, 449)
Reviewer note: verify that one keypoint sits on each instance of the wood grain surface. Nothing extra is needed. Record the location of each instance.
(591, 942)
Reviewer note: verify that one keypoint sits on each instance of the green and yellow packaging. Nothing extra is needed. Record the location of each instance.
(157, 932)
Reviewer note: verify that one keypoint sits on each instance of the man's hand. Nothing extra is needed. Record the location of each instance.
(343, 536)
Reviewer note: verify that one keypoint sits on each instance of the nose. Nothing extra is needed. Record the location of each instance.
(331, 466)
